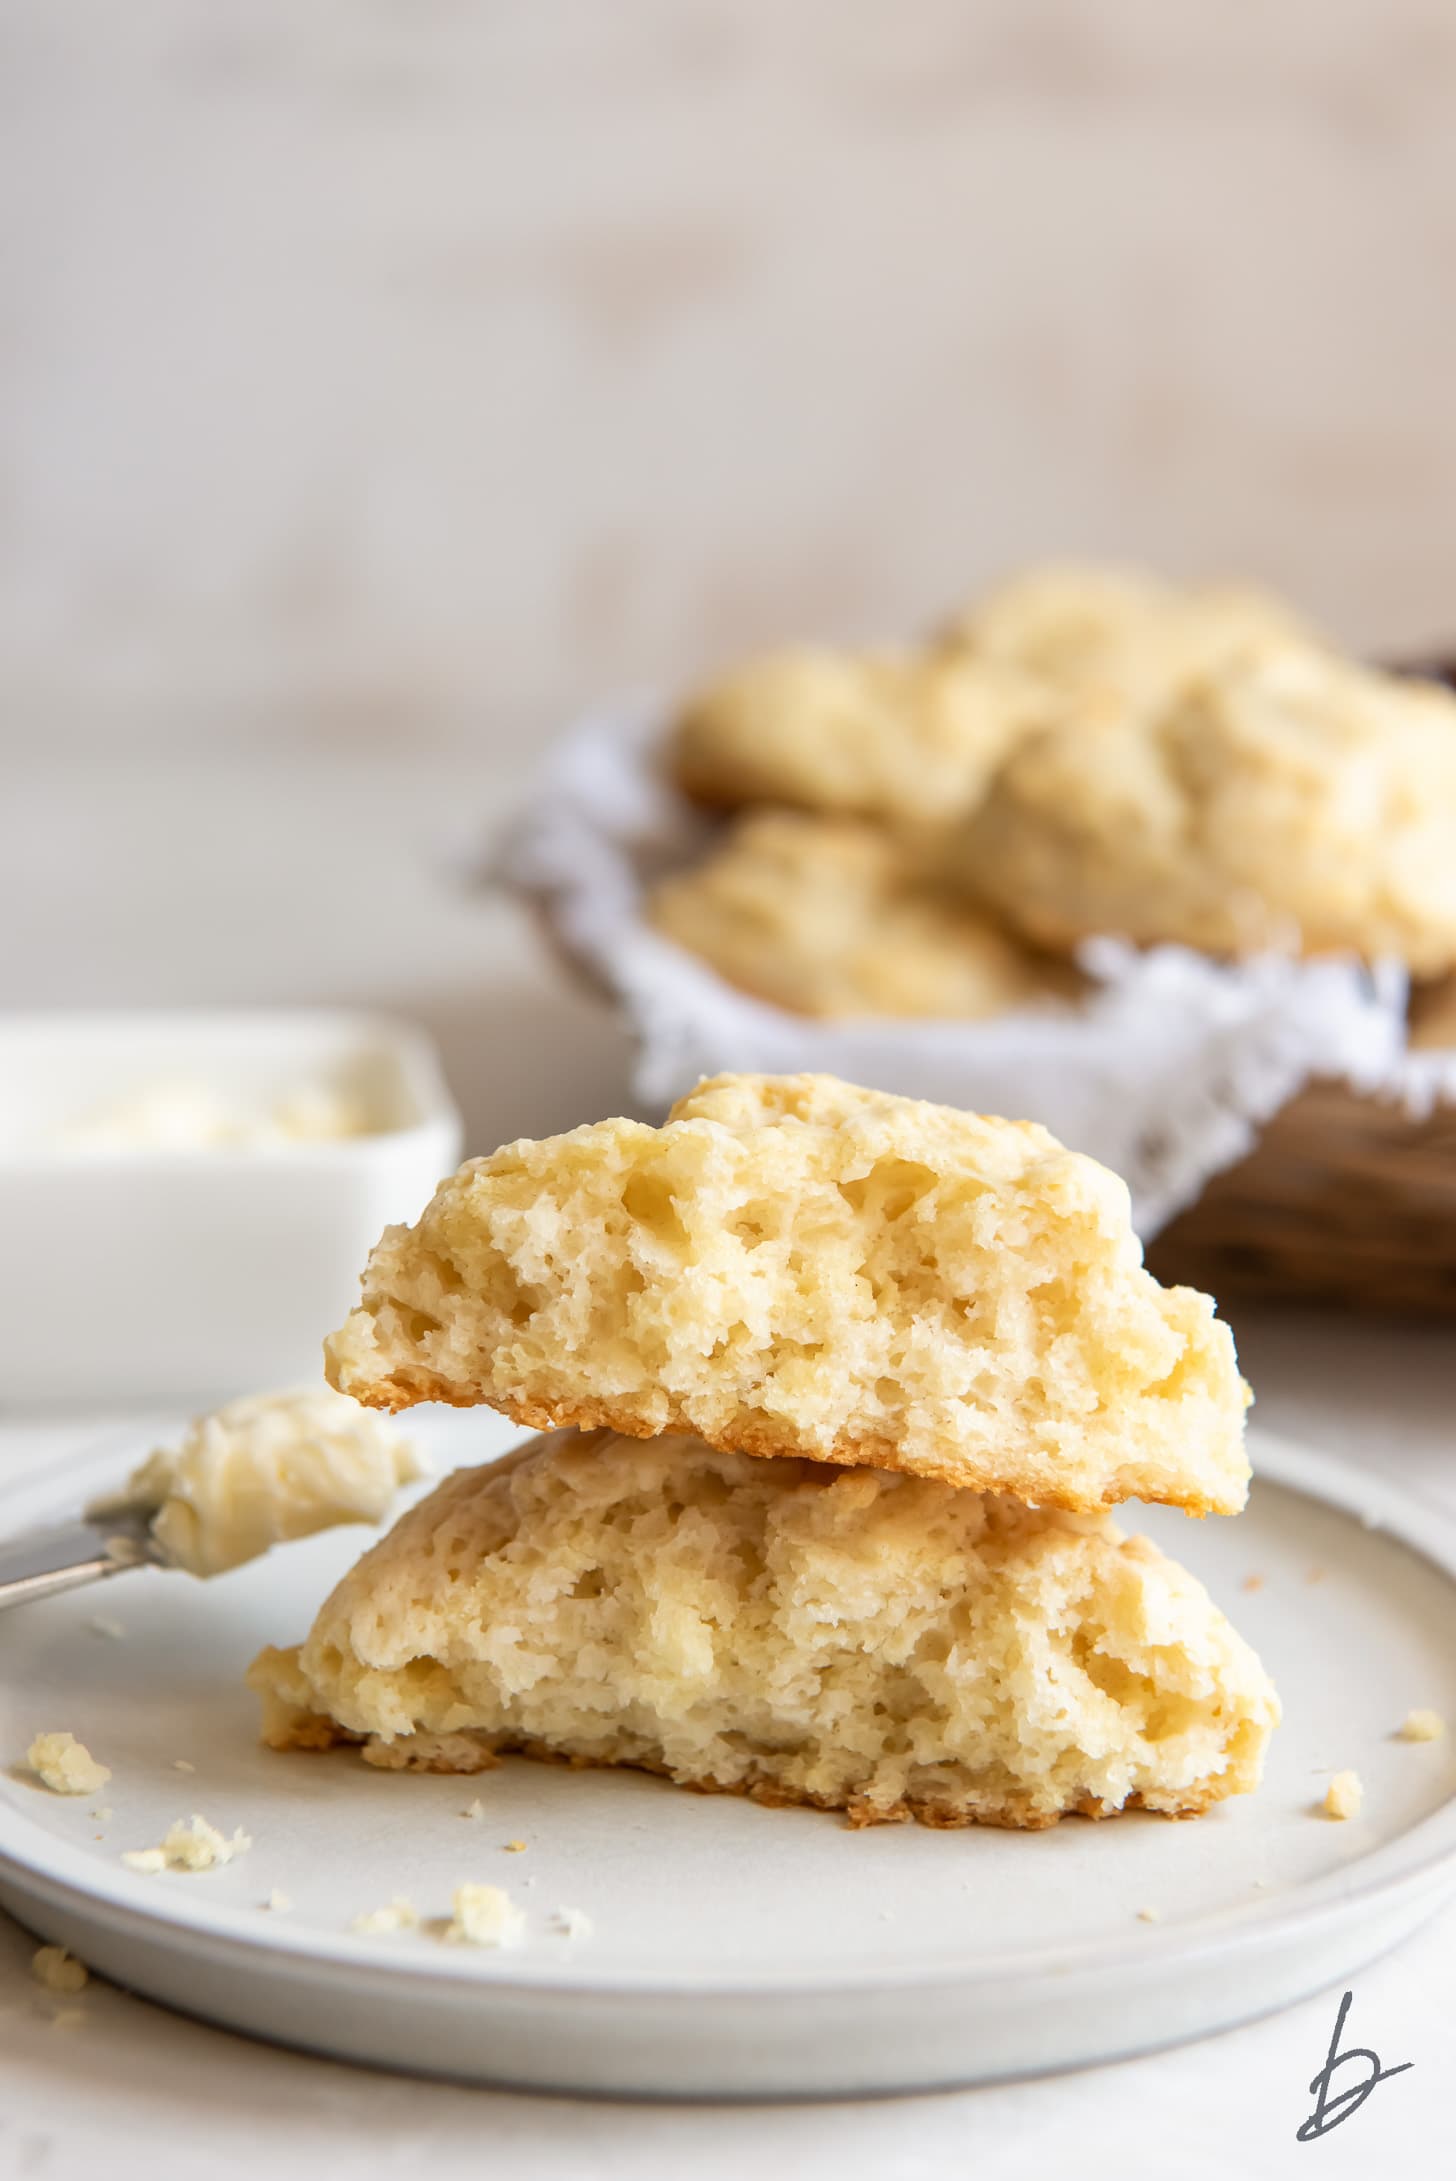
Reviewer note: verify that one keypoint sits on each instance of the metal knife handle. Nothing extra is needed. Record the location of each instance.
(83, 1551)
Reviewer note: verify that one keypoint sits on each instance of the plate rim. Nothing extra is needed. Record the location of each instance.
(1414, 1862)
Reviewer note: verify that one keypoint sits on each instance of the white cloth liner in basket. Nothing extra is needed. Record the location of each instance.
(1165, 1074)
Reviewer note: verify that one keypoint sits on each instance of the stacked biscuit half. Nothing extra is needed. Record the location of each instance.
(838, 1387)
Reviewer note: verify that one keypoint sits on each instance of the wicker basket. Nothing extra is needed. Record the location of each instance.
(1343, 1200)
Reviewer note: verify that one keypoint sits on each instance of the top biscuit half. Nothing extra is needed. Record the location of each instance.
(795, 1266)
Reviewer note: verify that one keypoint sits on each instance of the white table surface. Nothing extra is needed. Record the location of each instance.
(202, 882)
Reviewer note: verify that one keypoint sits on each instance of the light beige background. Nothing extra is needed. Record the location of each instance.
(381, 381)
(390, 374)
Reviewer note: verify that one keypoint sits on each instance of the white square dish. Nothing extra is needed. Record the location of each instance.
(144, 1269)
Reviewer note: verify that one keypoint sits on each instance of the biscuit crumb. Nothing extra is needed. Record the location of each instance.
(59, 1971)
(278, 1901)
(189, 1845)
(474, 1809)
(66, 1766)
(68, 2018)
(1252, 1583)
(515, 1847)
(181, 1764)
(396, 1915)
(1421, 1726)
(1150, 1915)
(1343, 1796)
(574, 1923)
(1262, 1885)
(104, 1815)
(102, 1624)
(484, 1916)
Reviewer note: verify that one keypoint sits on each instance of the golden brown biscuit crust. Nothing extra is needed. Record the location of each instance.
(404, 1388)
(311, 1733)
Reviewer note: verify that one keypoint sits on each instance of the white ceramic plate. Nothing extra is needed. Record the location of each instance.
(735, 1951)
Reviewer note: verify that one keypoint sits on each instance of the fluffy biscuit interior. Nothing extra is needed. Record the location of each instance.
(864, 1640)
(794, 1265)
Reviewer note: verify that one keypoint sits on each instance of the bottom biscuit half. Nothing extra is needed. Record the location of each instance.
(854, 1640)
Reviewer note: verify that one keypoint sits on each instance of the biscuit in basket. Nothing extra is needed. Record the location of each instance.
(829, 917)
(862, 1641)
(904, 737)
(1292, 801)
(1118, 634)
(796, 1266)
